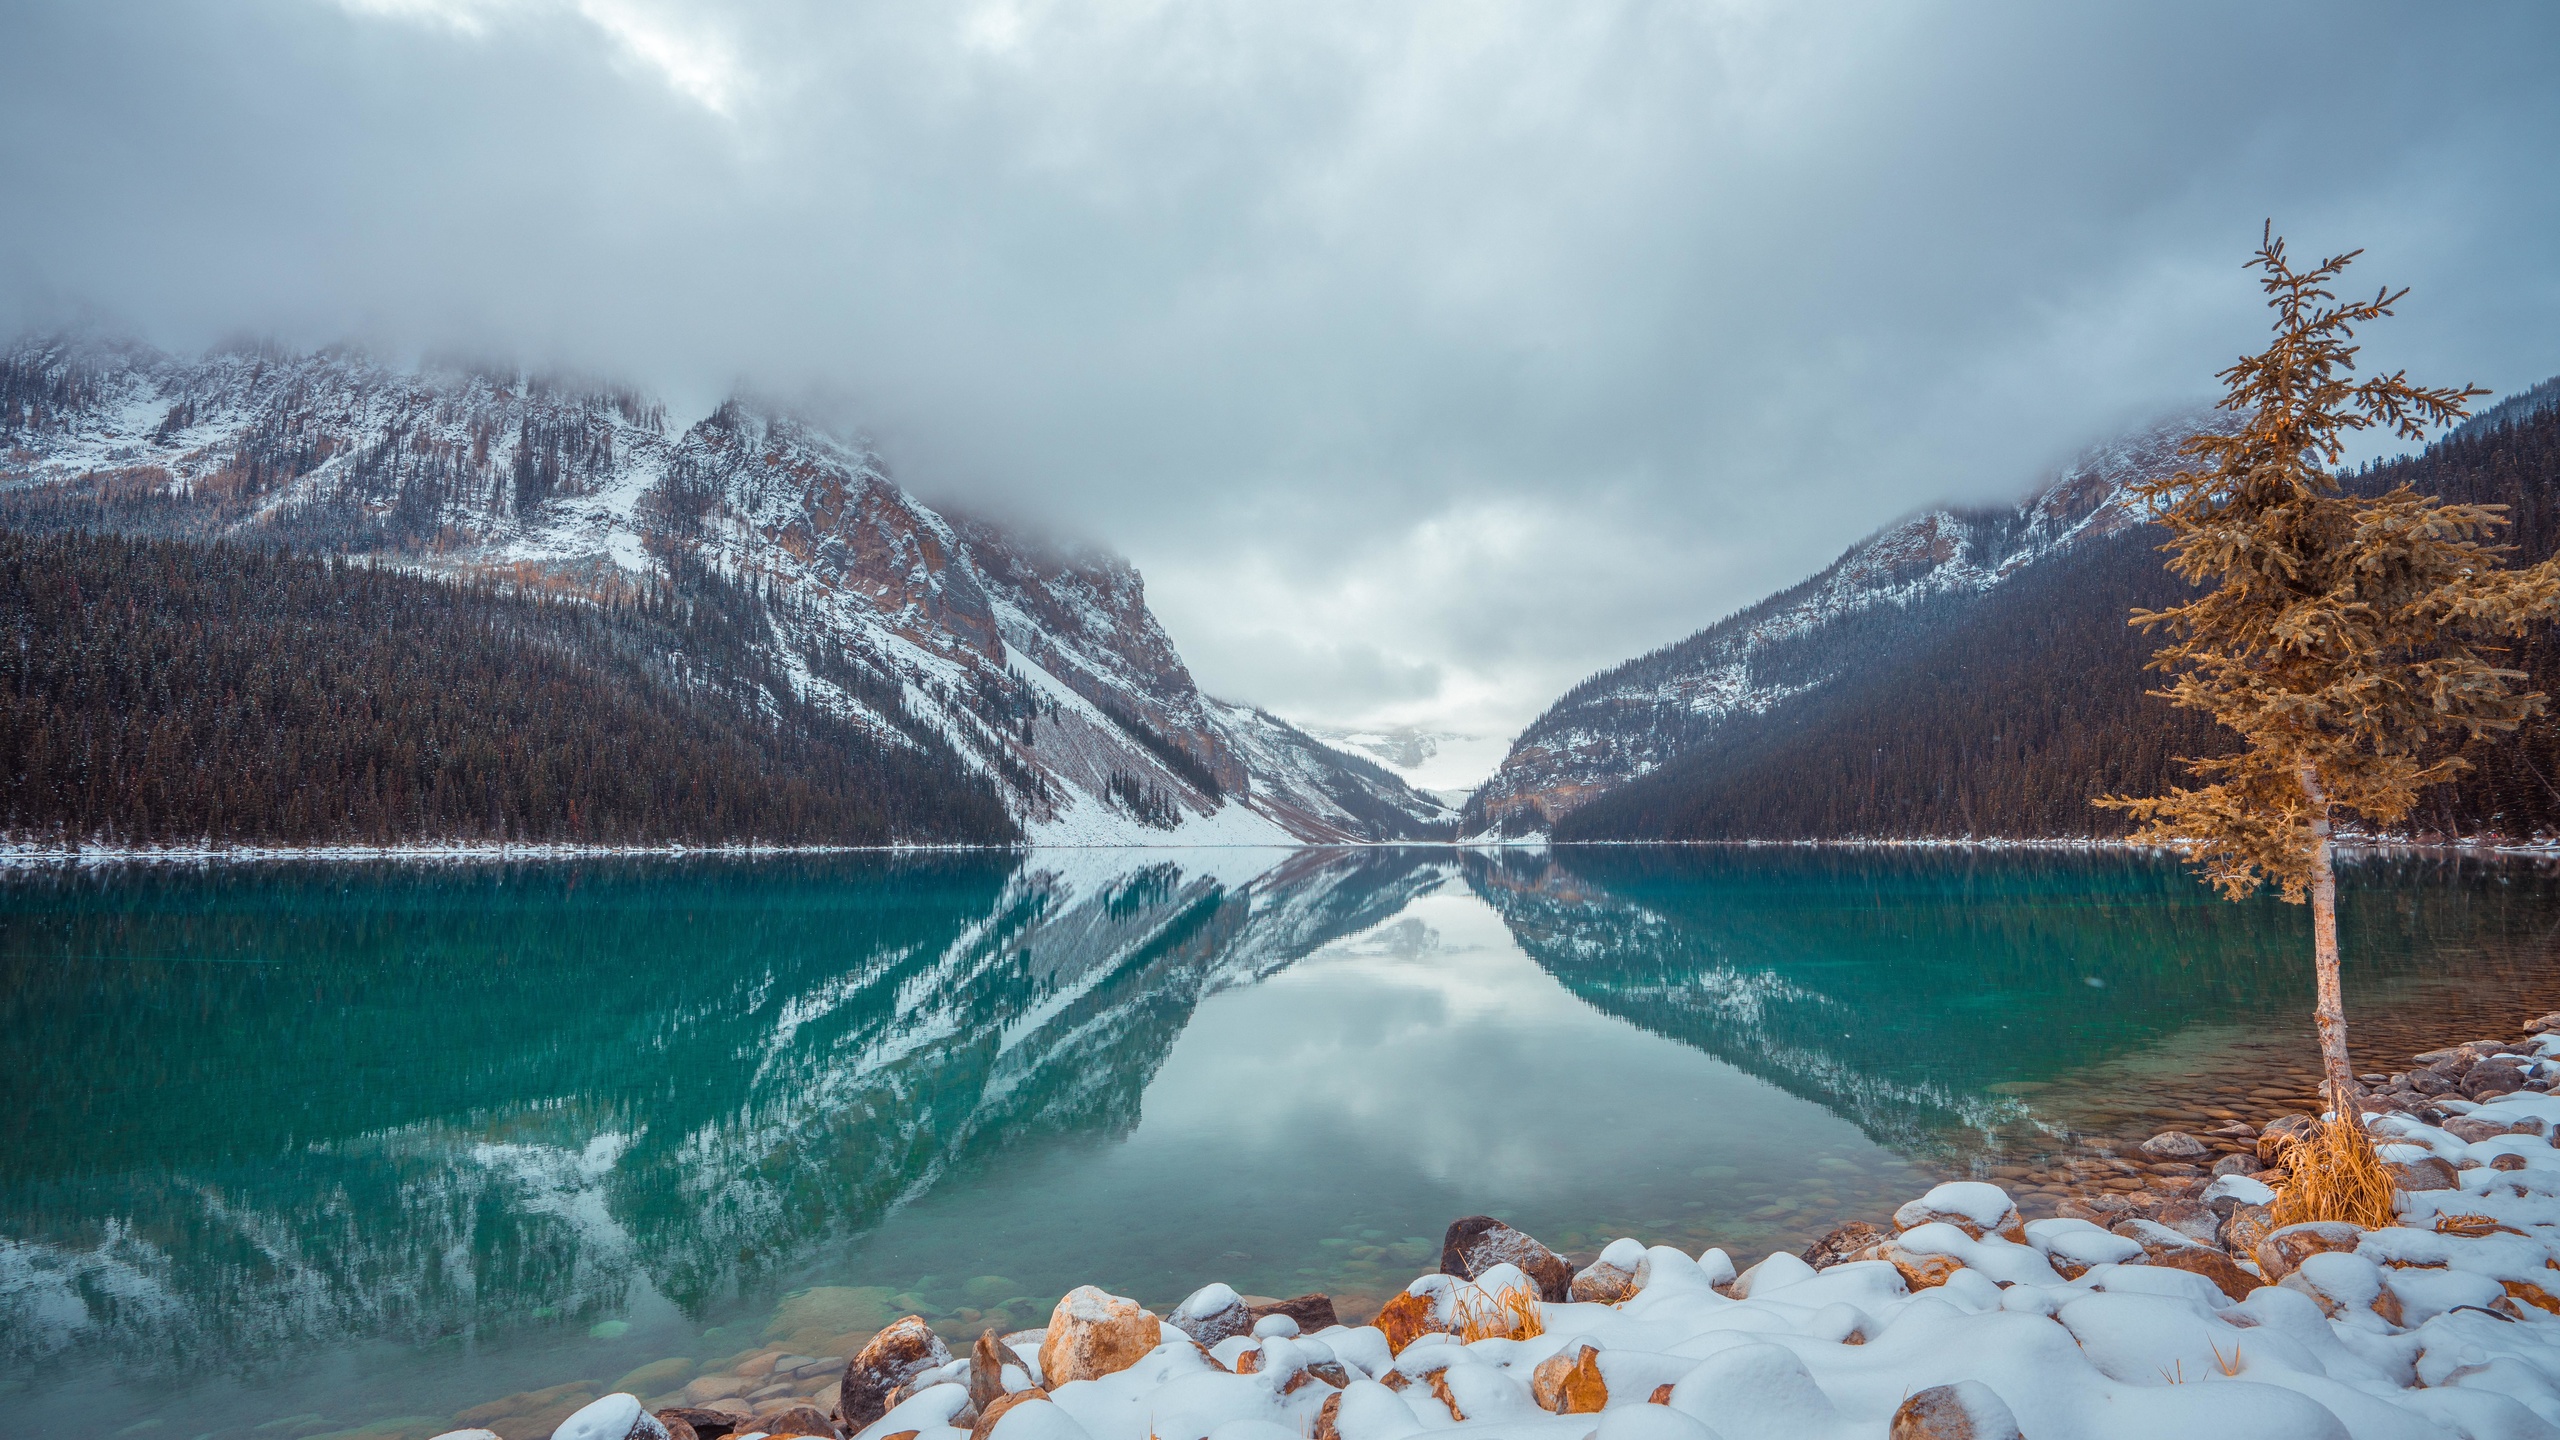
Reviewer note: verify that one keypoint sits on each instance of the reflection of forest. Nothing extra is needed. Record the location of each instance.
(260, 1107)
(1895, 987)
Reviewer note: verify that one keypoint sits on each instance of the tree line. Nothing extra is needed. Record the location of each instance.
(2008, 716)
(157, 691)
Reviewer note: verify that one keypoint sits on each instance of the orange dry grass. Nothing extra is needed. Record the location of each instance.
(2335, 1176)
(1509, 1313)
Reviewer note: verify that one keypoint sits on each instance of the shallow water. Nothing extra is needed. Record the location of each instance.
(370, 1145)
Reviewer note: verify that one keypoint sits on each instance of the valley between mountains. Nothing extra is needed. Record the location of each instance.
(310, 599)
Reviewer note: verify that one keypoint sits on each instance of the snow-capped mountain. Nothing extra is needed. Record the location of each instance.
(1629, 721)
(1040, 666)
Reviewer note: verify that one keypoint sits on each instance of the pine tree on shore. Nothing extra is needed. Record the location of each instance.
(2343, 636)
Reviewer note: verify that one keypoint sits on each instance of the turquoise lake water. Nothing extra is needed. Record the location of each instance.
(351, 1143)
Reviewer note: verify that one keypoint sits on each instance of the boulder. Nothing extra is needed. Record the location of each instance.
(2171, 1250)
(615, 1417)
(1568, 1382)
(2546, 1023)
(1477, 1243)
(2506, 1162)
(2243, 1228)
(987, 1360)
(2280, 1133)
(1966, 1410)
(2190, 1218)
(987, 1418)
(1601, 1283)
(2429, 1081)
(891, 1359)
(2472, 1131)
(1844, 1243)
(2427, 1173)
(2282, 1251)
(2240, 1164)
(1918, 1271)
(794, 1420)
(2489, 1079)
(1406, 1318)
(1311, 1312)
(1092, 1334)
(2175, 1145)
(1213, 1313)
(702, 1424)
(1973, 1206)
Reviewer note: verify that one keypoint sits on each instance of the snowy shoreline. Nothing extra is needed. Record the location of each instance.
(1961, 1319)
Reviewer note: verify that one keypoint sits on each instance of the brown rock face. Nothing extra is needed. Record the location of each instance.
(2213, 1265)
(2175, 1145)
(1312, 1312)
(703, 1424)
(1570, 1384)
(987, 1360)
(2284, 1250)
(1966, 1410)
(2474, 1131)
(2427, 1174)
(1843, 1244)
(1919, 1272)
(1600, 1283)
(1328, 1419)
(1092, 1334)
(893, 1358)
(2244, 1227)
(1477, 1243)
(1404, 1319)
(676, 1429)
(1004, 1406)
(795, 1420)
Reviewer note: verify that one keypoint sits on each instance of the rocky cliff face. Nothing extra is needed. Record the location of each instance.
(1887, 590)
(1041, 666)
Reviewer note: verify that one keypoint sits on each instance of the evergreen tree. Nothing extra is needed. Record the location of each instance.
(2341, 640)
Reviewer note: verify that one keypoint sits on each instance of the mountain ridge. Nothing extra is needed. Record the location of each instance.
(1042, 670)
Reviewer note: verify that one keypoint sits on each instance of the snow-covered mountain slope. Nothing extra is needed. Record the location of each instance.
(1898, 584)
(1040, 667)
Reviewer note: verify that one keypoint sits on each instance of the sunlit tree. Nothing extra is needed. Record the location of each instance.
(2343, 638)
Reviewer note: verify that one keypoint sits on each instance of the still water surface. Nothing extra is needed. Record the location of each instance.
(356, 1143)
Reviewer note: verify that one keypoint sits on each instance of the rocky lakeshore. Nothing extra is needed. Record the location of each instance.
(2117, 1287)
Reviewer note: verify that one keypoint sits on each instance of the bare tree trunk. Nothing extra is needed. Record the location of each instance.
(2345, 1099)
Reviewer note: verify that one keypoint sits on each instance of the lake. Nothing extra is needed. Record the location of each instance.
(350, 1145)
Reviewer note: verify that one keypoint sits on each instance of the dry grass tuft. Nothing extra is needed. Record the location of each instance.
(2335, 1176)
(2471, 1227)
(1509, 1313)
(2228, 1367)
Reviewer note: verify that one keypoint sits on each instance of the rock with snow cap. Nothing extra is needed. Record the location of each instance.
(1609, 1279)
(615, 1417)
(1211, 1314)
(1976, 1207)
(896, 1355)
(1966, 1410)
(2425, 1172)
(1477, 1243)
(1092, 1334)
(2285, 1249)
(1407, 1317)
(1569, 1382)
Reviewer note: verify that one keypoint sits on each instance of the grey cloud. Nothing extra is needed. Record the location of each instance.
(1324, 294)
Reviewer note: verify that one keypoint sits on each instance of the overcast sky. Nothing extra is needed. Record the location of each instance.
(1426, 357)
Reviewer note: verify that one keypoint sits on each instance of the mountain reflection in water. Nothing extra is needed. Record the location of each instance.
(258, 1111)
